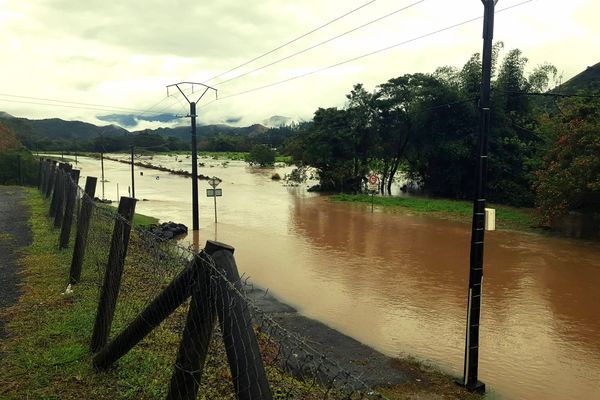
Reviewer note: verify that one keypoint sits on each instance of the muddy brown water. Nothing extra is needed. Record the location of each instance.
(398, 282)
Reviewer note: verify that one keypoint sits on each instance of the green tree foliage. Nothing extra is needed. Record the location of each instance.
(427, 125)
(569, 179)
(261, 155)
(329, 145)
(18, 167)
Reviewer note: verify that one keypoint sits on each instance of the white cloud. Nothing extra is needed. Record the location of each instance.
(125, 53)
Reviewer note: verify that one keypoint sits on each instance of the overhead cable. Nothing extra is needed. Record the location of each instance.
(293, 40)
(320, 43)
(370, 53)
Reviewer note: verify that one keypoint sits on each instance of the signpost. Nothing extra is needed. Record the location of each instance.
(214, 192)
(373, 186)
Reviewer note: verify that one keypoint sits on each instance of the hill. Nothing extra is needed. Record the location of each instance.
(183, 132)
(8, 140)
(589, 79)
(59, 135)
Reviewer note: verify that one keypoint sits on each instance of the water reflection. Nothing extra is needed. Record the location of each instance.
(540, 319)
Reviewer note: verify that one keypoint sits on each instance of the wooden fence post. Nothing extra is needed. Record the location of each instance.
(157, 311)
(195, 340)
(65, 182)
(71, 192)
(40, 177)
(245, 363)
(56, 178)
(113, 273)
(46, 174)
(50, 178)
(83, 225)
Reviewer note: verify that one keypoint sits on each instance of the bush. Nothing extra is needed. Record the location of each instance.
(569, 179)
(18, 167)
(261, 155)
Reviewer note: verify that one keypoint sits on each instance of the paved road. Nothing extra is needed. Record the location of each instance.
(15, 233)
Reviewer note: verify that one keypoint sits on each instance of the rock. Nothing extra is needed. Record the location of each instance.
(167, 230)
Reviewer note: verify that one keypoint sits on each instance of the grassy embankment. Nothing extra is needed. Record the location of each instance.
(46, 355)
(511, 218)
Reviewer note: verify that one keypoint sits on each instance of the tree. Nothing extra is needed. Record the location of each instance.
(328, 145)
(262, 155)
(443, 121)
(514, 140)
(569, 179)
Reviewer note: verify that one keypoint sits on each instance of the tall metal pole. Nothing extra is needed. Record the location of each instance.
(195, 223)
(102, 169)
(215, 203)
(132, 175)
(470, 380)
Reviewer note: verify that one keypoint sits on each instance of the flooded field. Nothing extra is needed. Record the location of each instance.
(398, 282)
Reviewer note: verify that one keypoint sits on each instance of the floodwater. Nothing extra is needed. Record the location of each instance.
(398, 282)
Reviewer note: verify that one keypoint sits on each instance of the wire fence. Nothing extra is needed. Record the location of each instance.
(179, 320)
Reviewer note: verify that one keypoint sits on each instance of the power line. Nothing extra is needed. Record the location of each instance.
(321, 43)
(293, 40)
(155, 105)
(74, 103)
(370, 53)
(58, 105)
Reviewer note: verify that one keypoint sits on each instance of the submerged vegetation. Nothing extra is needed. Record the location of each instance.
(507, 217)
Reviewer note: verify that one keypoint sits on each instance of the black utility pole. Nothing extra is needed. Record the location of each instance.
(102, 170)
(470, 380)
(195, 218)
(132, 176)
(195, 223)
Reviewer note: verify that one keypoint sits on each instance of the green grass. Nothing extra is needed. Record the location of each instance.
(224, 155)
(144, 220)
(139, 220)
(284, 159)
(512, 218)
(5, 236)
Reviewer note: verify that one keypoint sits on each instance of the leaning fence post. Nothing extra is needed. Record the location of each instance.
(50, 178)
(42, 174)
(243, 353)
(71, 193)
(83, 225)
(46, 184)
(157, 311)
(54, 184)
(195, 340)
(65, 183)
(113, 273)
(39, 174)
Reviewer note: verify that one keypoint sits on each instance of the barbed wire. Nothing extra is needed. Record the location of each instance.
(211, 336)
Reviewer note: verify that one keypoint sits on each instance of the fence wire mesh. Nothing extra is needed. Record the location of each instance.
(183, 323)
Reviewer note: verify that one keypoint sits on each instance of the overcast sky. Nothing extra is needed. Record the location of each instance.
(124, 53)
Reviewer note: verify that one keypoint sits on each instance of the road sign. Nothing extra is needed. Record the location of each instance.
(373, 183)
(214, 181)
(214, 192)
